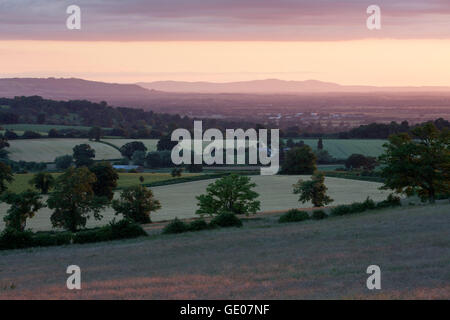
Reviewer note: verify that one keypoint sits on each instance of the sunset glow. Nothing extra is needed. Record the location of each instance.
(364, 62)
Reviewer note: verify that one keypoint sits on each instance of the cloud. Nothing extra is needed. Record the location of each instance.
(223, 19)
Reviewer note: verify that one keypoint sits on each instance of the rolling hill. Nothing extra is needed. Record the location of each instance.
(62, 89)
(276, 86)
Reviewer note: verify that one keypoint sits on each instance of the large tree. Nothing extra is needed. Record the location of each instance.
(136, 203)
(63, 162)
(357, 161)
(166, 143)
(23, 206)
(3, 142)
(95, 133)
(6, 176)
(83, 155)
(138, 158)
(313, 190)
(130, 148)
(153, 160)
(106, 179)
(299, 160)
(418, 163)
(232, 194)
(73, 199)
(43, 181)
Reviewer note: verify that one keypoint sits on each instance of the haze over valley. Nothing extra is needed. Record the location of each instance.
(310, 104)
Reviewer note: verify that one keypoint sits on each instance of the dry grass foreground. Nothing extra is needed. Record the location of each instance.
(275, 194)
(263, 260)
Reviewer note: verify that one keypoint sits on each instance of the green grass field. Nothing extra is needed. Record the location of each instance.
(21, 181)
(343, 148)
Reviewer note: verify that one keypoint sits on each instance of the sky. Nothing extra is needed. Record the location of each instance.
(228, 40)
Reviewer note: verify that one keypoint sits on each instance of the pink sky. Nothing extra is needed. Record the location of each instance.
(218, 40)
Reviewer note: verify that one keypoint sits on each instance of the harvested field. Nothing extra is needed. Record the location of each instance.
(263, 260)
(46, 150)
(275, 194)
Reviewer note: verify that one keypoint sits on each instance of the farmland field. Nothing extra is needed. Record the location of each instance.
(21, 181)
(338, 148)
(46, 150)
(343, 148)
(41, 128)
(179, 200)
(149, 143)
(324, 259)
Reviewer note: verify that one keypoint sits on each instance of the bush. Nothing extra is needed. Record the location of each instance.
(176, 172)
(31, 135)
(355, 207)
(369, 204)
(225, 220)
(13, 239)
(126, 229)
(93, 235)
(123, 229)
(47, 239)
(294, 215)
(198, 225)
(340, 210)
(391, 201)
(319, 215)
(176, 226)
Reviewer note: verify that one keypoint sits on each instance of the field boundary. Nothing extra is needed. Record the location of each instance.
(352, 176)
(109, 144)
(180, 180)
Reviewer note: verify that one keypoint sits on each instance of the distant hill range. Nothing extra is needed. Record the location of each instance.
(63, 89)
(254, 100)
(72, 88)
(276, 86)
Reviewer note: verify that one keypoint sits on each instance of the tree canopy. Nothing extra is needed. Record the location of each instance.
(136, 203)
(231, 194)
(418, 163)
(6, 176)
(128, 149)
(299, 160)
(106, 179)
(313, 190)
(83, 155)
(43, 181)
(74, 199)
(23, 206)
